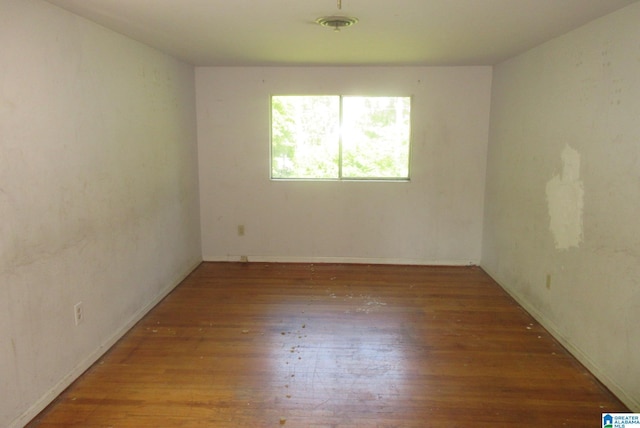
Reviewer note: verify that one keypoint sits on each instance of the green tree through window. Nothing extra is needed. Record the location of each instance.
(334, 137)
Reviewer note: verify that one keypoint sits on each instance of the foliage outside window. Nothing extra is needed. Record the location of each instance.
(340, 137)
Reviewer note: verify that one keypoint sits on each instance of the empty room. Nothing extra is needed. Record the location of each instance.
(351, 213)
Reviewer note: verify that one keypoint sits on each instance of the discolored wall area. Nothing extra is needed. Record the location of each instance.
(98, 194)
(561, 229)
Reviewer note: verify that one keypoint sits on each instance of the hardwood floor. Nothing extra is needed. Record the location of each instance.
(329, 345)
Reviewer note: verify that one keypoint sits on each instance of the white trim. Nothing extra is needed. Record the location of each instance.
(629, 401)
(351, 260)
(85, 364)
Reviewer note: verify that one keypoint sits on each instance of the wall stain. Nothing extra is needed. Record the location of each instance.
(565, 199)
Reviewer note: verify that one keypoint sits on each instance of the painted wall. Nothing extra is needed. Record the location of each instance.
(98, 194)
(563, 192)
(434, 218)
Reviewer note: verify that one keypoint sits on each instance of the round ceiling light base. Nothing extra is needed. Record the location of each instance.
(336, 22)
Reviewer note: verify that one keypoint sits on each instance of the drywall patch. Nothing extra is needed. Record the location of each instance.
(565, 194)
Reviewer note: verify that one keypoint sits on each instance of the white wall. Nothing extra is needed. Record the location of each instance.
(98, 194)
(563, 192)
(434, 218)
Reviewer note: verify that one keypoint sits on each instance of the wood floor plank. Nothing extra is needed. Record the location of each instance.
(327, 345)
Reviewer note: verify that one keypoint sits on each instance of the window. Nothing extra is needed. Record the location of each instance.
(340, 137)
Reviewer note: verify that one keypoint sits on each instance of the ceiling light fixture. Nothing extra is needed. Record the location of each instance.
(336, 21)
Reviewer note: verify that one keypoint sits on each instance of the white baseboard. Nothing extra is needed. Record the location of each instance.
(354, 260)
(84, 365)
(629, 401)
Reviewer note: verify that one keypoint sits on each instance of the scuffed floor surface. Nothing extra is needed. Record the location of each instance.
(330, 345)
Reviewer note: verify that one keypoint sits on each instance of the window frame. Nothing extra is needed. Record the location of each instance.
(340, 176)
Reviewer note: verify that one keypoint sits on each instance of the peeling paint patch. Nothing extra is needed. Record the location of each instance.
(565, 194)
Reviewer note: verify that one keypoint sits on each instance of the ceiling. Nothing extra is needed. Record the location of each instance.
(389, 32)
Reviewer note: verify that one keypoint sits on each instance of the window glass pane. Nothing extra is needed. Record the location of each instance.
(375, 137)
(305, 136)
(333, 137)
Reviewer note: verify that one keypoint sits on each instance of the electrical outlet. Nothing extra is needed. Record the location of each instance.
(241, 230)
(78, 313)
(244, 259)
